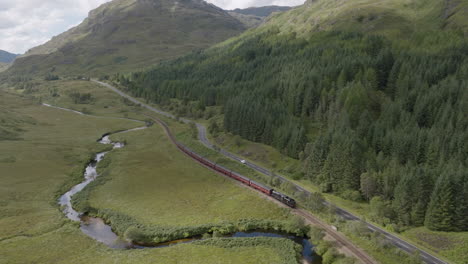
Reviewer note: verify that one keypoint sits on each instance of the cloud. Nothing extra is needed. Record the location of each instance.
(28, 23)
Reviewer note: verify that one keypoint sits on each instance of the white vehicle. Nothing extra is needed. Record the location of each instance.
(243, 161)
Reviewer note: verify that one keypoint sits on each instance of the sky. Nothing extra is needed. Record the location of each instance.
(25, 24)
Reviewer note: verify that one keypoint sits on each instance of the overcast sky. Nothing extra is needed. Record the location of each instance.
(28, 23)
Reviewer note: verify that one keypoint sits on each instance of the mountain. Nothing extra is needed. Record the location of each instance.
(125, 35)
(254, 16)
(370, 95)
(7, 57)
(391, 17)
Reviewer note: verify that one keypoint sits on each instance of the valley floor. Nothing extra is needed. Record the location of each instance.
(43, 153)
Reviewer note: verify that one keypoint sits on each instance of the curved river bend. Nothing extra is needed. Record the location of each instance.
(97, 229)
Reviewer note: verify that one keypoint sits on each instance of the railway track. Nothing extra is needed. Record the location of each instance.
(359, 253)
(395, 240)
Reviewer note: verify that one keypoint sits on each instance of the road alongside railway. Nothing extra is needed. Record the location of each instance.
(202, 135)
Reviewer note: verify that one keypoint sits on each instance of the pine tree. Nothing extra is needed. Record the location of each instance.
(461, 212)
(369, 185)
(440, 215)
(403, 199)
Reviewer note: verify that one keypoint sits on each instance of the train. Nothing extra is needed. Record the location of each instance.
(255, 185)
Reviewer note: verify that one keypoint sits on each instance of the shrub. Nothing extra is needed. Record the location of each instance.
(315, 202)
(316, 234)
(81, 98)
(51, 77)
(358, 228)
(322, 247)
(352, 195)
(330, 256)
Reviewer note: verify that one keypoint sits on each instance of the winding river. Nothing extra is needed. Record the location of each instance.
(97, 229)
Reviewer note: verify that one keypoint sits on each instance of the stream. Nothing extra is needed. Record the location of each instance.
(97, 229)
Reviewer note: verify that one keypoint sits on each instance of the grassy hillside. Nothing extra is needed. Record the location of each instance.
(393, 18)
(125, 35)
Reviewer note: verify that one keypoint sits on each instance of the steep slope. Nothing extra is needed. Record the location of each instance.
(254, 16)
(4, 66)
(126, 35)
(7, 57)
(370, 95)
(394, 17)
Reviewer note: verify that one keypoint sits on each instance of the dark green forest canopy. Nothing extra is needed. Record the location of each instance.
(372, 118)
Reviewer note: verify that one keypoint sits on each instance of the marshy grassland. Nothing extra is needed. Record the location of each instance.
(153, 181)
(43, 153)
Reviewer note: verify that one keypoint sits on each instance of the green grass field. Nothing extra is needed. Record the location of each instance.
(68, 245)
(157, 184)
(43, 151)
(49, 145)
(103, 101)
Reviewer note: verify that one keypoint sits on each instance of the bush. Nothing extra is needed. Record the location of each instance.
(358, 228)
(150, 235)
(297, 225)
(193, 130)
(275, 181)
(380, 241)
(330, 256)
(213, 127)
(79, 98)
(315, 202)
(51, 77)
(352, 195)
(326, 187)
(133, 234)
(316, 234)
(288, 187)
(322, 247)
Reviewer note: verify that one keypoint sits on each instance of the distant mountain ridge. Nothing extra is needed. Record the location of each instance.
(125, 35)
(7, 57)
(255, 16)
